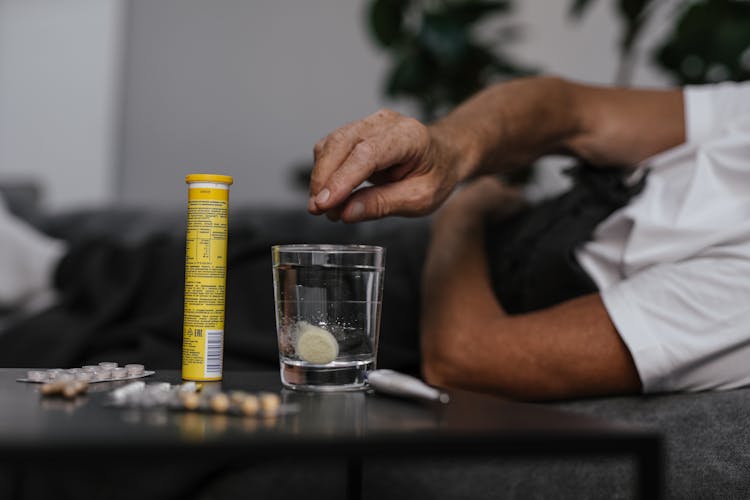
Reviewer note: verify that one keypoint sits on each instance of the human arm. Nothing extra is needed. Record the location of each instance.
(468, 341)
(415, 167)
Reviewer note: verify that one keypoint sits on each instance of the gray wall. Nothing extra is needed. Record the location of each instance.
(238, 87)
(59, 89)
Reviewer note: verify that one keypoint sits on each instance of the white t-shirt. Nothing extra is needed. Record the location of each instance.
(673, 266)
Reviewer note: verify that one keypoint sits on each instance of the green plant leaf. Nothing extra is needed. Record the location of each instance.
(633, 12)
(387, 21)
(472, 11)
(633, 9)
(444, 37)
(578, 7)
(412, 75)
(708, 43)
(505, 67)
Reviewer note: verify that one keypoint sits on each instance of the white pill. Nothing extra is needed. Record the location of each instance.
(315, 344)
(103, 374)
(37, 375)
(134, 369)
(119, 373)
(108, 365)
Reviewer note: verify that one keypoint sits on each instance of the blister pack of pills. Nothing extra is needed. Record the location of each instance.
(106, 371)
(189, 397)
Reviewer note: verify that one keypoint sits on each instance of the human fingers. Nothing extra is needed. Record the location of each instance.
(410, 197)
(329, 153)
(334, 214)
(403, 145)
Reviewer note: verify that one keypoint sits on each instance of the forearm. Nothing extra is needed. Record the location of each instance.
(455, 291)
(469, 341)
(511, 124)
(570, 350)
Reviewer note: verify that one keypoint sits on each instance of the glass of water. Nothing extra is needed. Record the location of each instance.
(328, 300)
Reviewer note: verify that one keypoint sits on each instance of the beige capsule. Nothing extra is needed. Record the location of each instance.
(73, 389)
(236, 397)
(51, 388)
(220, 403)
(250, 405)
(269, 402)
(190, 400)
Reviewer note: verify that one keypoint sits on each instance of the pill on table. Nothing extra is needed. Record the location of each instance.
(103, 374)
(119, 373)
(121, 394)
(189, 387)
(236, 397)
(249, 406)
(84, 376)
(53, 373)
(51, 388)
(134, 369)
(219, 402)
(108, 365)
(316, 345)
(190, 400)
(270, 403)
(37, 375)
(73, 389)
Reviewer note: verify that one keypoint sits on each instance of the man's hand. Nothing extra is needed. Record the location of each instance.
(412, 169)
(507, 126)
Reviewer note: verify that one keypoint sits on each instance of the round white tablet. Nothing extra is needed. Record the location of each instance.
(315, 344)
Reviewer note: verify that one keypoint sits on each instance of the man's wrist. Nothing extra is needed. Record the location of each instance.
(455, 147)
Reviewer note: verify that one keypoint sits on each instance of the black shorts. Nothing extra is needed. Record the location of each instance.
(532, 255)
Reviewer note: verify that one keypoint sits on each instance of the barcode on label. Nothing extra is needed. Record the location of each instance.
(214, 349)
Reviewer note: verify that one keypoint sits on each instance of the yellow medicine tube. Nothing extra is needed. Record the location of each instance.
(205, 276)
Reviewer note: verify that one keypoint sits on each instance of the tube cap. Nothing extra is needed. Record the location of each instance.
(223, 179)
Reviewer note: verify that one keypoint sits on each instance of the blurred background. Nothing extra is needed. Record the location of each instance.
(112, 102)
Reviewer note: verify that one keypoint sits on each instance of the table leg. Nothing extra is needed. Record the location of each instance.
(354, 478)
(649, 462)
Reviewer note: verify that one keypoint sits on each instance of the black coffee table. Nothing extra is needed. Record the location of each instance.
(354, 426)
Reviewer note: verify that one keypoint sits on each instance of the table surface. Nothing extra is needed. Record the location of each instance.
(348, 423)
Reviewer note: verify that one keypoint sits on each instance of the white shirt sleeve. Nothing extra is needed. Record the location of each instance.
(673, 266)
(708, 108)
(687, 324)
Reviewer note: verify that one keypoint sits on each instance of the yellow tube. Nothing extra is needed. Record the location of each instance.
(205, 276)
